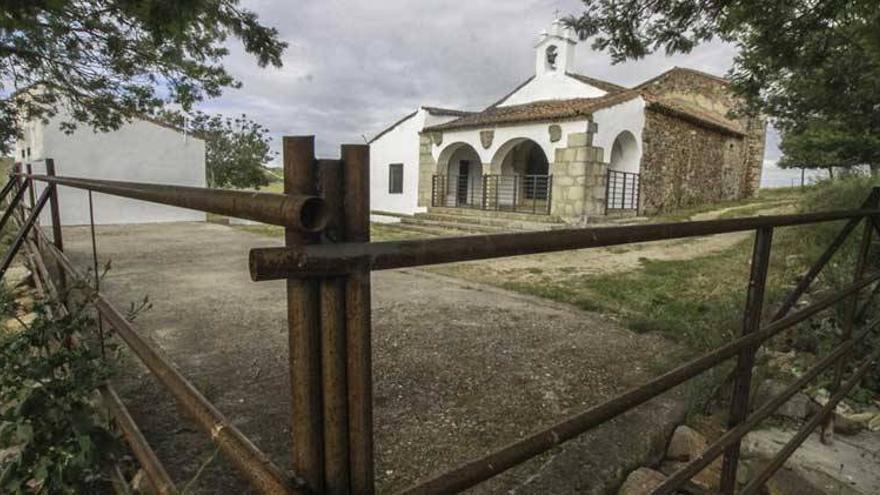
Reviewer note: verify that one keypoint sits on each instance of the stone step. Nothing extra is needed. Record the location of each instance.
(509, 224)
(528, 217)
(423, 229)
(452, 225)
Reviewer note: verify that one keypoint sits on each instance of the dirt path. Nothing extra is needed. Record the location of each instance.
(460, 368)
(601, 261)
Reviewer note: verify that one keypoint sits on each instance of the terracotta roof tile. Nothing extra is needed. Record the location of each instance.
(547, 110)
(694, 114)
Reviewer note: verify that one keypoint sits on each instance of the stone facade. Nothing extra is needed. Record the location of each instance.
(578, 179)
(427, 167)
(684, 163)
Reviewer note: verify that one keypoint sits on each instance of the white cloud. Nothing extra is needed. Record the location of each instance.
(355, 66)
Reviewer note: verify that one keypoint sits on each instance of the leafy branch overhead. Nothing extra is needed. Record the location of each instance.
(804, 63)
(103, 60)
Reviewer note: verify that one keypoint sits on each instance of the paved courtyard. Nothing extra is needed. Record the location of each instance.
(459, 368)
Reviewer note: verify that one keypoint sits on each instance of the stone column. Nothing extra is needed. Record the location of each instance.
(427, 169)
(578, 179)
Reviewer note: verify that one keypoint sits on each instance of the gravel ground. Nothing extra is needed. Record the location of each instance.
(460, 368)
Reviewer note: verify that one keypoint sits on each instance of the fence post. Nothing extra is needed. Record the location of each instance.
(356, 167)
(55, 213)
(739, 404)
(304, 340)
(827, 435)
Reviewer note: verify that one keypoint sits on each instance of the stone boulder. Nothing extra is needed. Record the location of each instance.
(685, 444)
(641, 482)
(796, 408)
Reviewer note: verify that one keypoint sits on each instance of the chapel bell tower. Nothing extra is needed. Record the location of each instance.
(554, 53)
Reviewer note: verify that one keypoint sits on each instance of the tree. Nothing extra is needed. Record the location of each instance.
(820, 144)
(106, 60)
(799, 61)
(236, 148)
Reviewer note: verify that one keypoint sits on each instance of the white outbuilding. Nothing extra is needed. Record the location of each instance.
(142, 150)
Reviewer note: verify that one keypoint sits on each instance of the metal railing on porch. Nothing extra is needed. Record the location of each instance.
(329, 319)
(622, 191)
(511, 193)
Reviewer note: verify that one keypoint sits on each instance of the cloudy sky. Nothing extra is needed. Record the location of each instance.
(355, 66)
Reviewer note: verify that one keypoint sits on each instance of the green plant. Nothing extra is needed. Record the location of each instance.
(53, 439)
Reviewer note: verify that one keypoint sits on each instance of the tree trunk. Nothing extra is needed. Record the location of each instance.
(831, 173)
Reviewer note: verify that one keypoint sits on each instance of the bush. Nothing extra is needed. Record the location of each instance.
(52, 438)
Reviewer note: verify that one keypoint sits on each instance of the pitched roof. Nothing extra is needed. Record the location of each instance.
(695, 115)
(687, 70)
(448, 112)
(599, 83)
(537, 111)
(437, 111)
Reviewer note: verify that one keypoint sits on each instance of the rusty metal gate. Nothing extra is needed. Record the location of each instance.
(327, 260)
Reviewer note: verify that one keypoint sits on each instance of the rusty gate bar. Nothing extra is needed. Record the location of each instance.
(13, 248)
(502, 459)
(734, 435)
(156, 474)
(334, 259)
(303, 313)
(300, 211)
(252, 463)
(356, 166)
(858, 272)
(756, 483)
(13, 203)
(739, 403)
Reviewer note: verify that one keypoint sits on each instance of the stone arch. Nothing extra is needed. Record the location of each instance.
(523, 170)
(625, 153)
(463, 169)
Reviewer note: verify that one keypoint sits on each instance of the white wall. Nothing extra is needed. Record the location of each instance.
(552, 86)
(139, 151)
(627, 116)
(399, 145)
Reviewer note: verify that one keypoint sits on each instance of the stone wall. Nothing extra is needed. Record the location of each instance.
(427, 169)
(685, 164)
(578, 178)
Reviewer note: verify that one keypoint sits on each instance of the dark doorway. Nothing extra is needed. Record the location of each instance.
(461, 191)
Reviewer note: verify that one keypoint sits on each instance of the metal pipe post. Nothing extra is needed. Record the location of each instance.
(303, 325)
(356, 163)
(739, 404)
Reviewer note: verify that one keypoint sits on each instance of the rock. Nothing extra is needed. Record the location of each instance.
(796, 408)
(18, 324)
(16, 275)
(706, 480)
(25, 303)
(846, 426)
(685, 444)
(641, 482)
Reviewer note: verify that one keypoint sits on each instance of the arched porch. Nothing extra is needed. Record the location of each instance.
(521, 179)
(623, 188)
(459, 178)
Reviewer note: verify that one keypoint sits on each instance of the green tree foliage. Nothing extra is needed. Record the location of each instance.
(104, 60)
(237, 148)
(800, 62)
(826, 145)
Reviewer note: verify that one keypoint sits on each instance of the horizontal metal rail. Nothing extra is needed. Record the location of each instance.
(730, 437)
(304, 213)
(479, 470)
(336, 259)
(256, 467)
(155, 471)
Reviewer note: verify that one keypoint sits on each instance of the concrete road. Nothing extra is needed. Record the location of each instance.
(459, 368)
